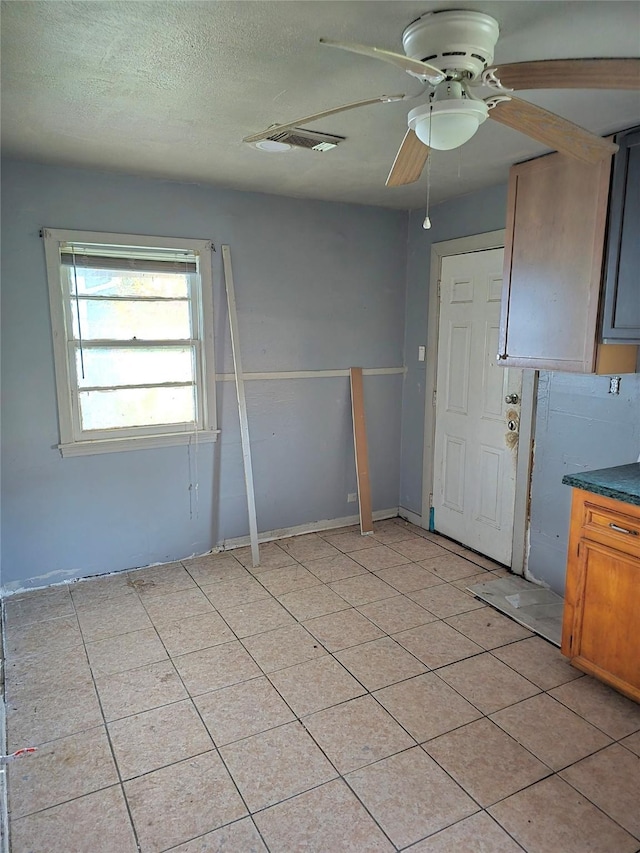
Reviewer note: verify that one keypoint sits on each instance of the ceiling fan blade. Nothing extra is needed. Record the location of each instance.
(409, 162)
(552, 130)
(277, 128)
(411, 66)
(566, 74)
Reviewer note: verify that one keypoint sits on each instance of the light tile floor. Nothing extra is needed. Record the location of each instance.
(348, 695)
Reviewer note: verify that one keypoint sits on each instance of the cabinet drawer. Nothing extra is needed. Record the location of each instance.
(617, 529)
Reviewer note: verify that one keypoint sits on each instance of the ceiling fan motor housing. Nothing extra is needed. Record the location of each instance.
(453, 40)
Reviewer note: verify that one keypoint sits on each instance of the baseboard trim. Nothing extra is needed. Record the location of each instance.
(68, 577)
(308, 527)
(413, 517)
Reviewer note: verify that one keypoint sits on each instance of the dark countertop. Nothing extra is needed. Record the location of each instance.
(621, 483)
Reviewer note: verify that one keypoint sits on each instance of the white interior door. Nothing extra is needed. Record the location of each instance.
(476, 434)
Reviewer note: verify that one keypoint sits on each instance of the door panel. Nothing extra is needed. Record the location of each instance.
(453, 473)
(475, 452)
(458, 376)
(490, 486)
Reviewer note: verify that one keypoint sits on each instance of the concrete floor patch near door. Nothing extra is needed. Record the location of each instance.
(533, 606)
(342, 698)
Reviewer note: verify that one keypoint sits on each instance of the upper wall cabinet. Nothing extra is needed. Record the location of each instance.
(621, 307)
(555, 246)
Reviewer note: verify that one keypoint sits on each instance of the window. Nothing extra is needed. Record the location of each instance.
(132, 322)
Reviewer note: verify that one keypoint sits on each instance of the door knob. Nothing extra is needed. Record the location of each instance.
(511, 398)
(512, 425)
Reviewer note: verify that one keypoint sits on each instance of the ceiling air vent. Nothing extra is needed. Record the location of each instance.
(299, 138)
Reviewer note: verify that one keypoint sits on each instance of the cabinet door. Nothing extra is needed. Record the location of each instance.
(556, 216)
(621, 316)
(605, 640)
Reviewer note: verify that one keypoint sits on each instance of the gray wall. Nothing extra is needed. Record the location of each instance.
(579, 426)
(319, 286)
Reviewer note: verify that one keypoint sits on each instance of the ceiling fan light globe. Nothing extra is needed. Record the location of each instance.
(273, 146)
(445, 125)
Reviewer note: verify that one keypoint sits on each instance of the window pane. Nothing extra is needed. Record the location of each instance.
(139, 366)
(136, 407)
(115, 283)
(125, 321)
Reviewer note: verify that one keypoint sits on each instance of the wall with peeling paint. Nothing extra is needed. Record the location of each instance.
(579, 427)
(319, 286)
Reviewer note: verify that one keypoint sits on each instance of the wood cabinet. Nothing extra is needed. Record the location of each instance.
(600, 630)
(555, 245)
(621, 303)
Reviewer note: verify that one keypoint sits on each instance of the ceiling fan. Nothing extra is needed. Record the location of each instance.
(451, 52)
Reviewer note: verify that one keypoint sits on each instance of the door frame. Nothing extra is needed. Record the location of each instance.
(524, 465)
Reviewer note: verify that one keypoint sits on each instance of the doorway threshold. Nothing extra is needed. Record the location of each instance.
(533, 606)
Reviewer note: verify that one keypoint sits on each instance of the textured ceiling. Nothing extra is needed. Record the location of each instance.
(170, 88)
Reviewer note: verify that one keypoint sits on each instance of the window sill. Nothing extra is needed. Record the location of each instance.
(144, 442)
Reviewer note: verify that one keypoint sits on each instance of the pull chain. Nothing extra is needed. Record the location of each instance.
(427, 222)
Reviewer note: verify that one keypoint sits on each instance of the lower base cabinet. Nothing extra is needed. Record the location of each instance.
(601, 624)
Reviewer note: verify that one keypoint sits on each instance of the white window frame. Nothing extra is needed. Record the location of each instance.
(72, 441)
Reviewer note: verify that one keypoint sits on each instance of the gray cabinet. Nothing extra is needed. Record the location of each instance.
(621, 304)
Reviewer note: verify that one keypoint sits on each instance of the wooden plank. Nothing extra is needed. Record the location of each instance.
(362, 454)
(242, 405)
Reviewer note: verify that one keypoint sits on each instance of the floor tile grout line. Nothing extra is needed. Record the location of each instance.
(111, 749)
(550, 771)
(556, 775)
(628, 748)
(579, 716)
(600, 729)
(14, 817)
(203, 835)
(338, 778)
(219, 754)
(550, 775)
(483, 811)
(600, 808)
(215, 748)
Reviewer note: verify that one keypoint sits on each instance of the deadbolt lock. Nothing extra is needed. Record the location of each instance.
(511, 398)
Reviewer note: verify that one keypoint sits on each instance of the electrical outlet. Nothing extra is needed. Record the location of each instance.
(614, 384)
(352, 497)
